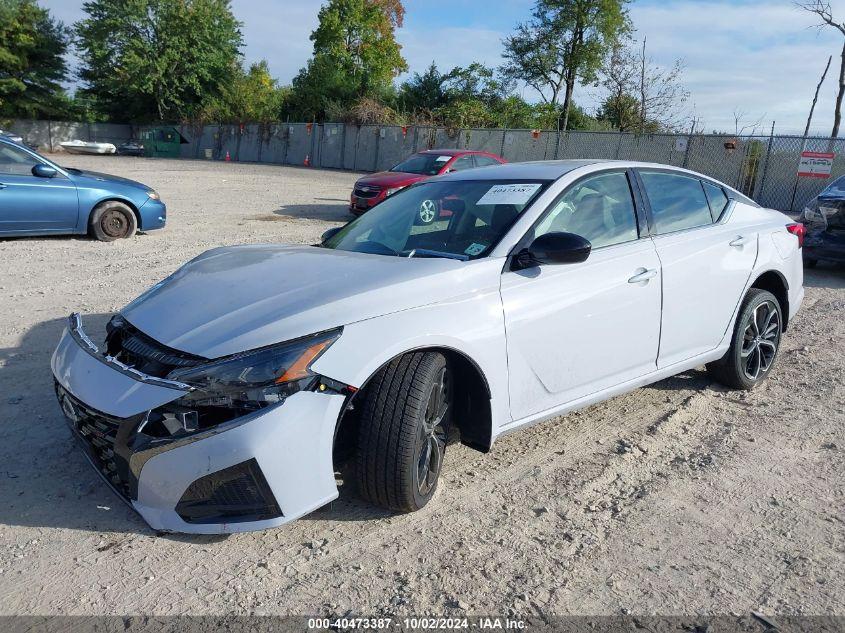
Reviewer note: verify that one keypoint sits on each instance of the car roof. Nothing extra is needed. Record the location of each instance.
(534, 170)
(451, 152)
(554, 169)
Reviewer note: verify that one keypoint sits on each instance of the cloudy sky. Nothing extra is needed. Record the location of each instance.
(762, 59)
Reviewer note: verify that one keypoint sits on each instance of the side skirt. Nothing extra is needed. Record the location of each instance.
(606, 394)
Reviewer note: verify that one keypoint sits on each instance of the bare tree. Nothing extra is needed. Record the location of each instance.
(816, 96)
(740, 127)
(620, 77)
(642, 96)
(824, 12)
(662, 95)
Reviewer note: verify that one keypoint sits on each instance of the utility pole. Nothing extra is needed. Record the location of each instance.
(642, 91)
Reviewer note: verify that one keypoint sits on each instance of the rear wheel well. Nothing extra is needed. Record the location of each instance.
(473, 414)
(775, 283)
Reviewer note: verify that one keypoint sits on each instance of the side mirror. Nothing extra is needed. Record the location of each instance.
(329, 234)
(553, 248)
(43, 171)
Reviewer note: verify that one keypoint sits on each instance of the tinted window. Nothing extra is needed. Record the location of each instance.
(485, 161)
(677, 202)
(600, 209)
(464, 162)
(16, 161)
(717, 199)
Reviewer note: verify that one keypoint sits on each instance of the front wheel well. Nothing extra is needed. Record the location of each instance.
(473, 413)
(128, 203)
(774, 282)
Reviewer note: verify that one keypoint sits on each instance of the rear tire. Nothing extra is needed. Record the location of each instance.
(755, 343)
(113, 220)
(404, 425)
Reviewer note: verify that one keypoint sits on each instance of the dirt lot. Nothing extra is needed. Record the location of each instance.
(680, 498)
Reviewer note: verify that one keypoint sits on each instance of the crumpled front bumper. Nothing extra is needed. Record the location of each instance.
(106, 402)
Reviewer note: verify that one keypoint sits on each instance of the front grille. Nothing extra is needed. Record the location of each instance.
(234, 494)
(366, 192)
(134, 348)
(99, 432)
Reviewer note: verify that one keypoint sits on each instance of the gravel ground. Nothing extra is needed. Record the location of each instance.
(679, 498)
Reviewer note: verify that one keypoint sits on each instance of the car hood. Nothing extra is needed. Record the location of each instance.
(391, 179)
(96, 179)
(234, 299)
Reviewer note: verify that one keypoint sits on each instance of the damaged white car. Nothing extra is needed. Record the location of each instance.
(224, 398)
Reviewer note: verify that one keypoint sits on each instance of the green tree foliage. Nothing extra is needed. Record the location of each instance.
(475, 96)
(251, 96)
(621, 112)
(355, 56)
(149, 60)
(565, 41)
(32, 46)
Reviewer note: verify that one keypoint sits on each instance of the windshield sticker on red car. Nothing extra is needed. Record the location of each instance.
(442, 159)
(474, 249)
(509, 194)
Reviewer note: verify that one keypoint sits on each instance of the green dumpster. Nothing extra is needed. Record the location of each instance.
(162, 142)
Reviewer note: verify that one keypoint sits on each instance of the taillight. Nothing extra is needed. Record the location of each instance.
(798, 230)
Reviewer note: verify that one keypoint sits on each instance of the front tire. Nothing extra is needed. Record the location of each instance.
(755, 342)
(113, 220)
(404, 425)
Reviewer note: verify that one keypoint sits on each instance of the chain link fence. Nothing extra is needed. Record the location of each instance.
(763, 167)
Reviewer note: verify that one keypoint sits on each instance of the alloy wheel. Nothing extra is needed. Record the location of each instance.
(428, 211)
(760, 340)
(432, 441)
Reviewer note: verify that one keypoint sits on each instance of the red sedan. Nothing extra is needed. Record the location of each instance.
(372, 189)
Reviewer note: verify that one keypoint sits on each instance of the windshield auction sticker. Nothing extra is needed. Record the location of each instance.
(509, 194)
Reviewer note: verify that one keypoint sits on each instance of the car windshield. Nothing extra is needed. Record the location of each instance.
(459, 219)
(425, 164)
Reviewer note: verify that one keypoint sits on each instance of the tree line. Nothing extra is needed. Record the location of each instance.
(181, 61)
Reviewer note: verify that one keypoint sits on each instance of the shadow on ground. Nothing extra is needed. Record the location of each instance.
(334, 210)
(825, 275)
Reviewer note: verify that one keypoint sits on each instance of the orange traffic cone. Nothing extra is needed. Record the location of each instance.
(307, 161)
(228, 158)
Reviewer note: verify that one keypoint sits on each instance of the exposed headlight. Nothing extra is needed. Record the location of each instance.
(153, 194)
(237, 385)
(390, 192)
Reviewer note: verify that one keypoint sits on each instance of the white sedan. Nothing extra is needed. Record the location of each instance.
(224, 398)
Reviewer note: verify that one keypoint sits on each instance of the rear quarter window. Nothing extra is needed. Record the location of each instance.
(716, 198)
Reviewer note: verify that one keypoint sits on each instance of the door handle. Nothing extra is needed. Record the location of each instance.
(739, 241)
(2, 186)
(644, 274)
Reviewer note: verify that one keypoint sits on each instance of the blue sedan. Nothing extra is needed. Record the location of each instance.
(38, 197)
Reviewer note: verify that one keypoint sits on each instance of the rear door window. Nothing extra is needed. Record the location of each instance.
(677, 201)
(464, 162)
(485, 161)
